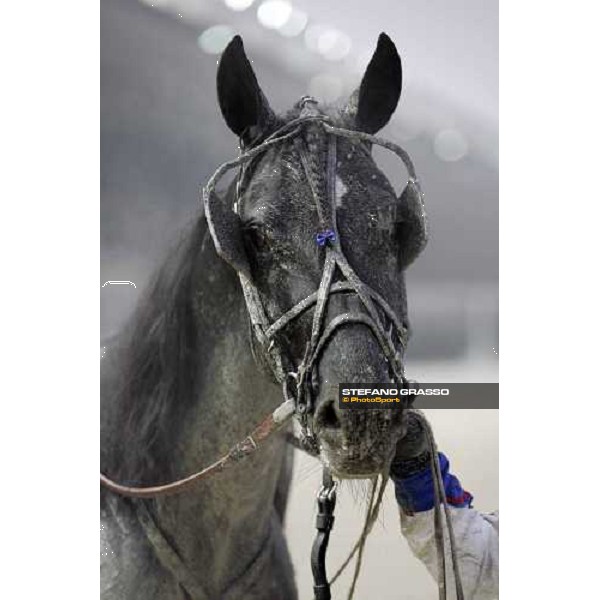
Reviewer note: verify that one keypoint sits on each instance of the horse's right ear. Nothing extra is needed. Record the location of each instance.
(244, 106)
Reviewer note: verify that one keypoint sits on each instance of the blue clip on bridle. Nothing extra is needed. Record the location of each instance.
(324, 236)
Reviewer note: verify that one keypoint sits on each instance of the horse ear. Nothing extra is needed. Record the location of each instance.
(226, 231)
(412, 225)
(244, 106)
(374, 102)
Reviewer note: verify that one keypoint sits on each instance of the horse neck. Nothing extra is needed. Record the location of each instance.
(219, 526)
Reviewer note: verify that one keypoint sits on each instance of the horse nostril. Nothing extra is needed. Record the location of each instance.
(327, 416)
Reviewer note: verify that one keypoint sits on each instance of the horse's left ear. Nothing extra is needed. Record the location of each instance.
(243, 104)
(375, 101)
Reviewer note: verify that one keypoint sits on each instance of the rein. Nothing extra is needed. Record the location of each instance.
(248, 445)
(298, 382)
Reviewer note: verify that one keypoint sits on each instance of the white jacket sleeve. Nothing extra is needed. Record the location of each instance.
(477, 549)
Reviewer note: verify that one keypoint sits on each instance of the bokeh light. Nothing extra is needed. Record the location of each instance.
(295, 24)
(312, 35)
(274, 14)
(333, 44)
(450, 145)
(238, 5)
(214, 39)
(327, 41)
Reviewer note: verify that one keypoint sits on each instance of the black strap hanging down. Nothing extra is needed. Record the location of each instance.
(326, 499)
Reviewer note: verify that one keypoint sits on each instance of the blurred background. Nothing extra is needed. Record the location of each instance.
(162, 136)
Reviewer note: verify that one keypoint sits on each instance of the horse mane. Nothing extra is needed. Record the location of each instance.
(151, 379)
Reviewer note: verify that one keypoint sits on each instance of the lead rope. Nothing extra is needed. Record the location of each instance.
(267, 427)
(440, 498)
(368, 527)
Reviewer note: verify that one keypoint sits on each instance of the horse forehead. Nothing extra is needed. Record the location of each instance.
(306, 105)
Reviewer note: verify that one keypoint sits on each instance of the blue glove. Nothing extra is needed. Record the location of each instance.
(415, 492)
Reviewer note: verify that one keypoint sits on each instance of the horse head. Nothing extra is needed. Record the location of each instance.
(310, 215)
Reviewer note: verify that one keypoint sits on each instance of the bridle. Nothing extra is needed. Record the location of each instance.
(298, 383)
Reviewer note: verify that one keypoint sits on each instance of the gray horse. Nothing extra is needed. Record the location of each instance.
(185, 381)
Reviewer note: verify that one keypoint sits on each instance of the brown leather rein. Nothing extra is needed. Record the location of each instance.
(247, 446)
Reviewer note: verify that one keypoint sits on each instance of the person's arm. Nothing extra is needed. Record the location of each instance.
(476, 534)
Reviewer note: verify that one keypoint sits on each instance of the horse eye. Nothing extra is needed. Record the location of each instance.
(257, 238)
